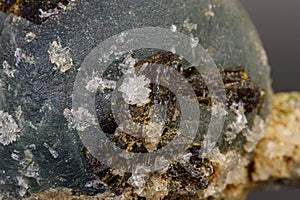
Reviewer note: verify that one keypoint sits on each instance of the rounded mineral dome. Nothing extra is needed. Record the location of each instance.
(46, 48)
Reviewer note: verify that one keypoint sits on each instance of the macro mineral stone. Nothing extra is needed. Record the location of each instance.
(277, 155)
(197, 95)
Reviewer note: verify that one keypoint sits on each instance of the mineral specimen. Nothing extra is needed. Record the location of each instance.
(44, 52)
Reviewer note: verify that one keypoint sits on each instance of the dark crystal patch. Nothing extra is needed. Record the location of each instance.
(36, 11)
(195, 172)
(237, 83)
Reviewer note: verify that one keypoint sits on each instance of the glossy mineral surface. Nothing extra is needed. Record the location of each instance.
(39, 145)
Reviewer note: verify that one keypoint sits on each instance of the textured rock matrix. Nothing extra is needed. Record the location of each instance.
(44, 43)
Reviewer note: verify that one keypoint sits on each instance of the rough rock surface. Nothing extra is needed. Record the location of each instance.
(276, 157)
(41, 56)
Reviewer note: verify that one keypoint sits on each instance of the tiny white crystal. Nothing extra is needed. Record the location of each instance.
(60, 56)
(152, 133)
(51, 150)
(9, 130)
(79, 119)
(239, 124)
(45, 14)
(173, 28)
(29, 167)
(24, 185)
(209, 12)
(20, 56)
(101, 84)
(8, 70)
(135, 89)
(189, 26)
(29, 37)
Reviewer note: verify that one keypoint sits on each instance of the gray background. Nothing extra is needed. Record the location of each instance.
(278, 23)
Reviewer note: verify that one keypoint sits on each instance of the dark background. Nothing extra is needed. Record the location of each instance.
(278, 23)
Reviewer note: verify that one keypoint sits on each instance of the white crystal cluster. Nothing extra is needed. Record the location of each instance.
(148, 186)
(9, 129)
(23, 183)
(230, 169)
(29, 37)
(79, 119)
(189, 26)
(28, 169)
(152, 133)
(240, 122)
(20, 56)
(254, 135)
(240, 125)
(100, 84)
(8, 69)
(135, 89)
(60, 56)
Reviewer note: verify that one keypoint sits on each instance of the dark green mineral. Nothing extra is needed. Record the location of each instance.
(43, 46)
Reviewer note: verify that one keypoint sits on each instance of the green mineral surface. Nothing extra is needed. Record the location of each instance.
(40, 148)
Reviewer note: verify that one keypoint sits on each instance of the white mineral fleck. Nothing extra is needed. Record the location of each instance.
(173, 28)
(194, 42)
(156, 189)
(20, 55)
(32, 126)
(62, 6)
(186, 157)
(68, 115)
(9, 130)
(121, 38)
(160, 163)
(119, 172)
(29, 167)
(51, 150)
(239, 124)
(45, 14)
(144, 66)
(138, 177)
(8, 70)
(209, 12)
(151, 133)
(15, 156)
(60, 56)
(231, 170)
(93, 184)
(24, 185)
(29, 37)
(101, 84)
(134, 88)
(255, 135)
(19, 113)
(127, 67)
(79, 119)
(189, 26)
